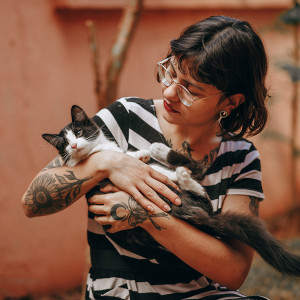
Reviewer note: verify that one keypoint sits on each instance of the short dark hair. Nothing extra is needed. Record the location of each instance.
(228, 54)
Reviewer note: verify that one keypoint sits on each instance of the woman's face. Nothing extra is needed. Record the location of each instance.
(201, 112)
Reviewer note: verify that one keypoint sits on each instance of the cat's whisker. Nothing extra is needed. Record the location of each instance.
(66, 157)
(89, 138)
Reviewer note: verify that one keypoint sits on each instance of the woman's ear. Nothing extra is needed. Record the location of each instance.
(234, 101)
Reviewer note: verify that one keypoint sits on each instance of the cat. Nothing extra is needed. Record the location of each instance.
(83, 137)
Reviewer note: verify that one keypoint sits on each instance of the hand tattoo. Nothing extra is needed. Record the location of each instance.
(50, 193)
(137, 214)
(254, 205)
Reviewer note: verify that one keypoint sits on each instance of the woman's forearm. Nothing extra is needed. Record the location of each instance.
(226, 263)
(58, 186)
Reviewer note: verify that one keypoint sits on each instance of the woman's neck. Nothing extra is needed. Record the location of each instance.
(200, 147)
(198, 141)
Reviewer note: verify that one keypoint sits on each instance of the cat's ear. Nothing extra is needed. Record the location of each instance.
(53, 139)
(78, 114)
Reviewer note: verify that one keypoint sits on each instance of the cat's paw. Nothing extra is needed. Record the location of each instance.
(183, 174)
(143, 155)
(159, 151)
(187, 183)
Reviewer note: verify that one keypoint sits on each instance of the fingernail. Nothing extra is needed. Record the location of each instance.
(177, 201)
(167, 207)
(149, 208)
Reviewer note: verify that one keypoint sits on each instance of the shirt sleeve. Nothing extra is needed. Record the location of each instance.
(247, 177)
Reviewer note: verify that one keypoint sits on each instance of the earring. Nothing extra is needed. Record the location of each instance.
(222, 115)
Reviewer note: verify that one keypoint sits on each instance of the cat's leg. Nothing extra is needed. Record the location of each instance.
(160, 153)
(171, 174)
(187, 183)
(143, 155)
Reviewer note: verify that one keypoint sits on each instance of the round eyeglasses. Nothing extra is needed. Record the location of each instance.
(183, 93)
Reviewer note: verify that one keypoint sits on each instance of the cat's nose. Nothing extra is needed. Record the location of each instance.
(74, 146)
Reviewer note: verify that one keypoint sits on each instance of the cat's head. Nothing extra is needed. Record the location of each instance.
(77, 139)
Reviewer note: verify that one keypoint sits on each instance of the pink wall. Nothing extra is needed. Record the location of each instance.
(45, 68)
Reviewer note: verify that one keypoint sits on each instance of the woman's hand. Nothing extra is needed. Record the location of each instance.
(139, 180)
(121, 212)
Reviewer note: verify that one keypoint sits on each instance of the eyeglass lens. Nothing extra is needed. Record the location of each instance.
(167, 80)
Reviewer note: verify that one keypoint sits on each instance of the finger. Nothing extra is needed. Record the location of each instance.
(138, 197)
(103, 220)
(162, 189)
(144, 193)
(109, 189)
(164, 179)
(98, 209)
(106, 221)
(150, 194)
(97, 199)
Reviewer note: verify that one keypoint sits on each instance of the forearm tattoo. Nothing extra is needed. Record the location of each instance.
(50, 193)
(254, 206)
(135, 214)
(56, 163)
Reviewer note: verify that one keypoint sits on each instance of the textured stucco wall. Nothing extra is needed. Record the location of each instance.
(45, 68)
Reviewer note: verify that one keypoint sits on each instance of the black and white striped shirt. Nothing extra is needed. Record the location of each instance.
(122, 274)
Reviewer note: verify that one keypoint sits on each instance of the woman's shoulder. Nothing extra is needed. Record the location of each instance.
(241, 144)
(237, 152)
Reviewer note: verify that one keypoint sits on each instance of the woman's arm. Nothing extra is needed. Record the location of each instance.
(225, 262)
(58, 186)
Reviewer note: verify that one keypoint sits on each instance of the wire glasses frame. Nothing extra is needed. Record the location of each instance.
(183, 93)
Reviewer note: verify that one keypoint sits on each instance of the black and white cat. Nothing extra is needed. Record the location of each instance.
(83, 137)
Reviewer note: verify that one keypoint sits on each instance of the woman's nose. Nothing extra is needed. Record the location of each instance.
(170, 92)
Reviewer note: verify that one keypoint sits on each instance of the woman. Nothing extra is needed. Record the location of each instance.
(213, 87)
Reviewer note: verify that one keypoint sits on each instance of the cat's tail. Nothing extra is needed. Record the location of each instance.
(245, 228)
(252, 231)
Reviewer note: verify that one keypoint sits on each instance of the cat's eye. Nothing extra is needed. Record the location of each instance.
(79, 133)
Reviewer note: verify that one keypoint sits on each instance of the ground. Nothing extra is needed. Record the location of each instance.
(262, 279)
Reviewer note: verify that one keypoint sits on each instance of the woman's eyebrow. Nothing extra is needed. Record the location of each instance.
(187, 82)
(195, 86)
(172, 66)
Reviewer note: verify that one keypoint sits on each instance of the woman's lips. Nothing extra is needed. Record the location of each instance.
(169, 108)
